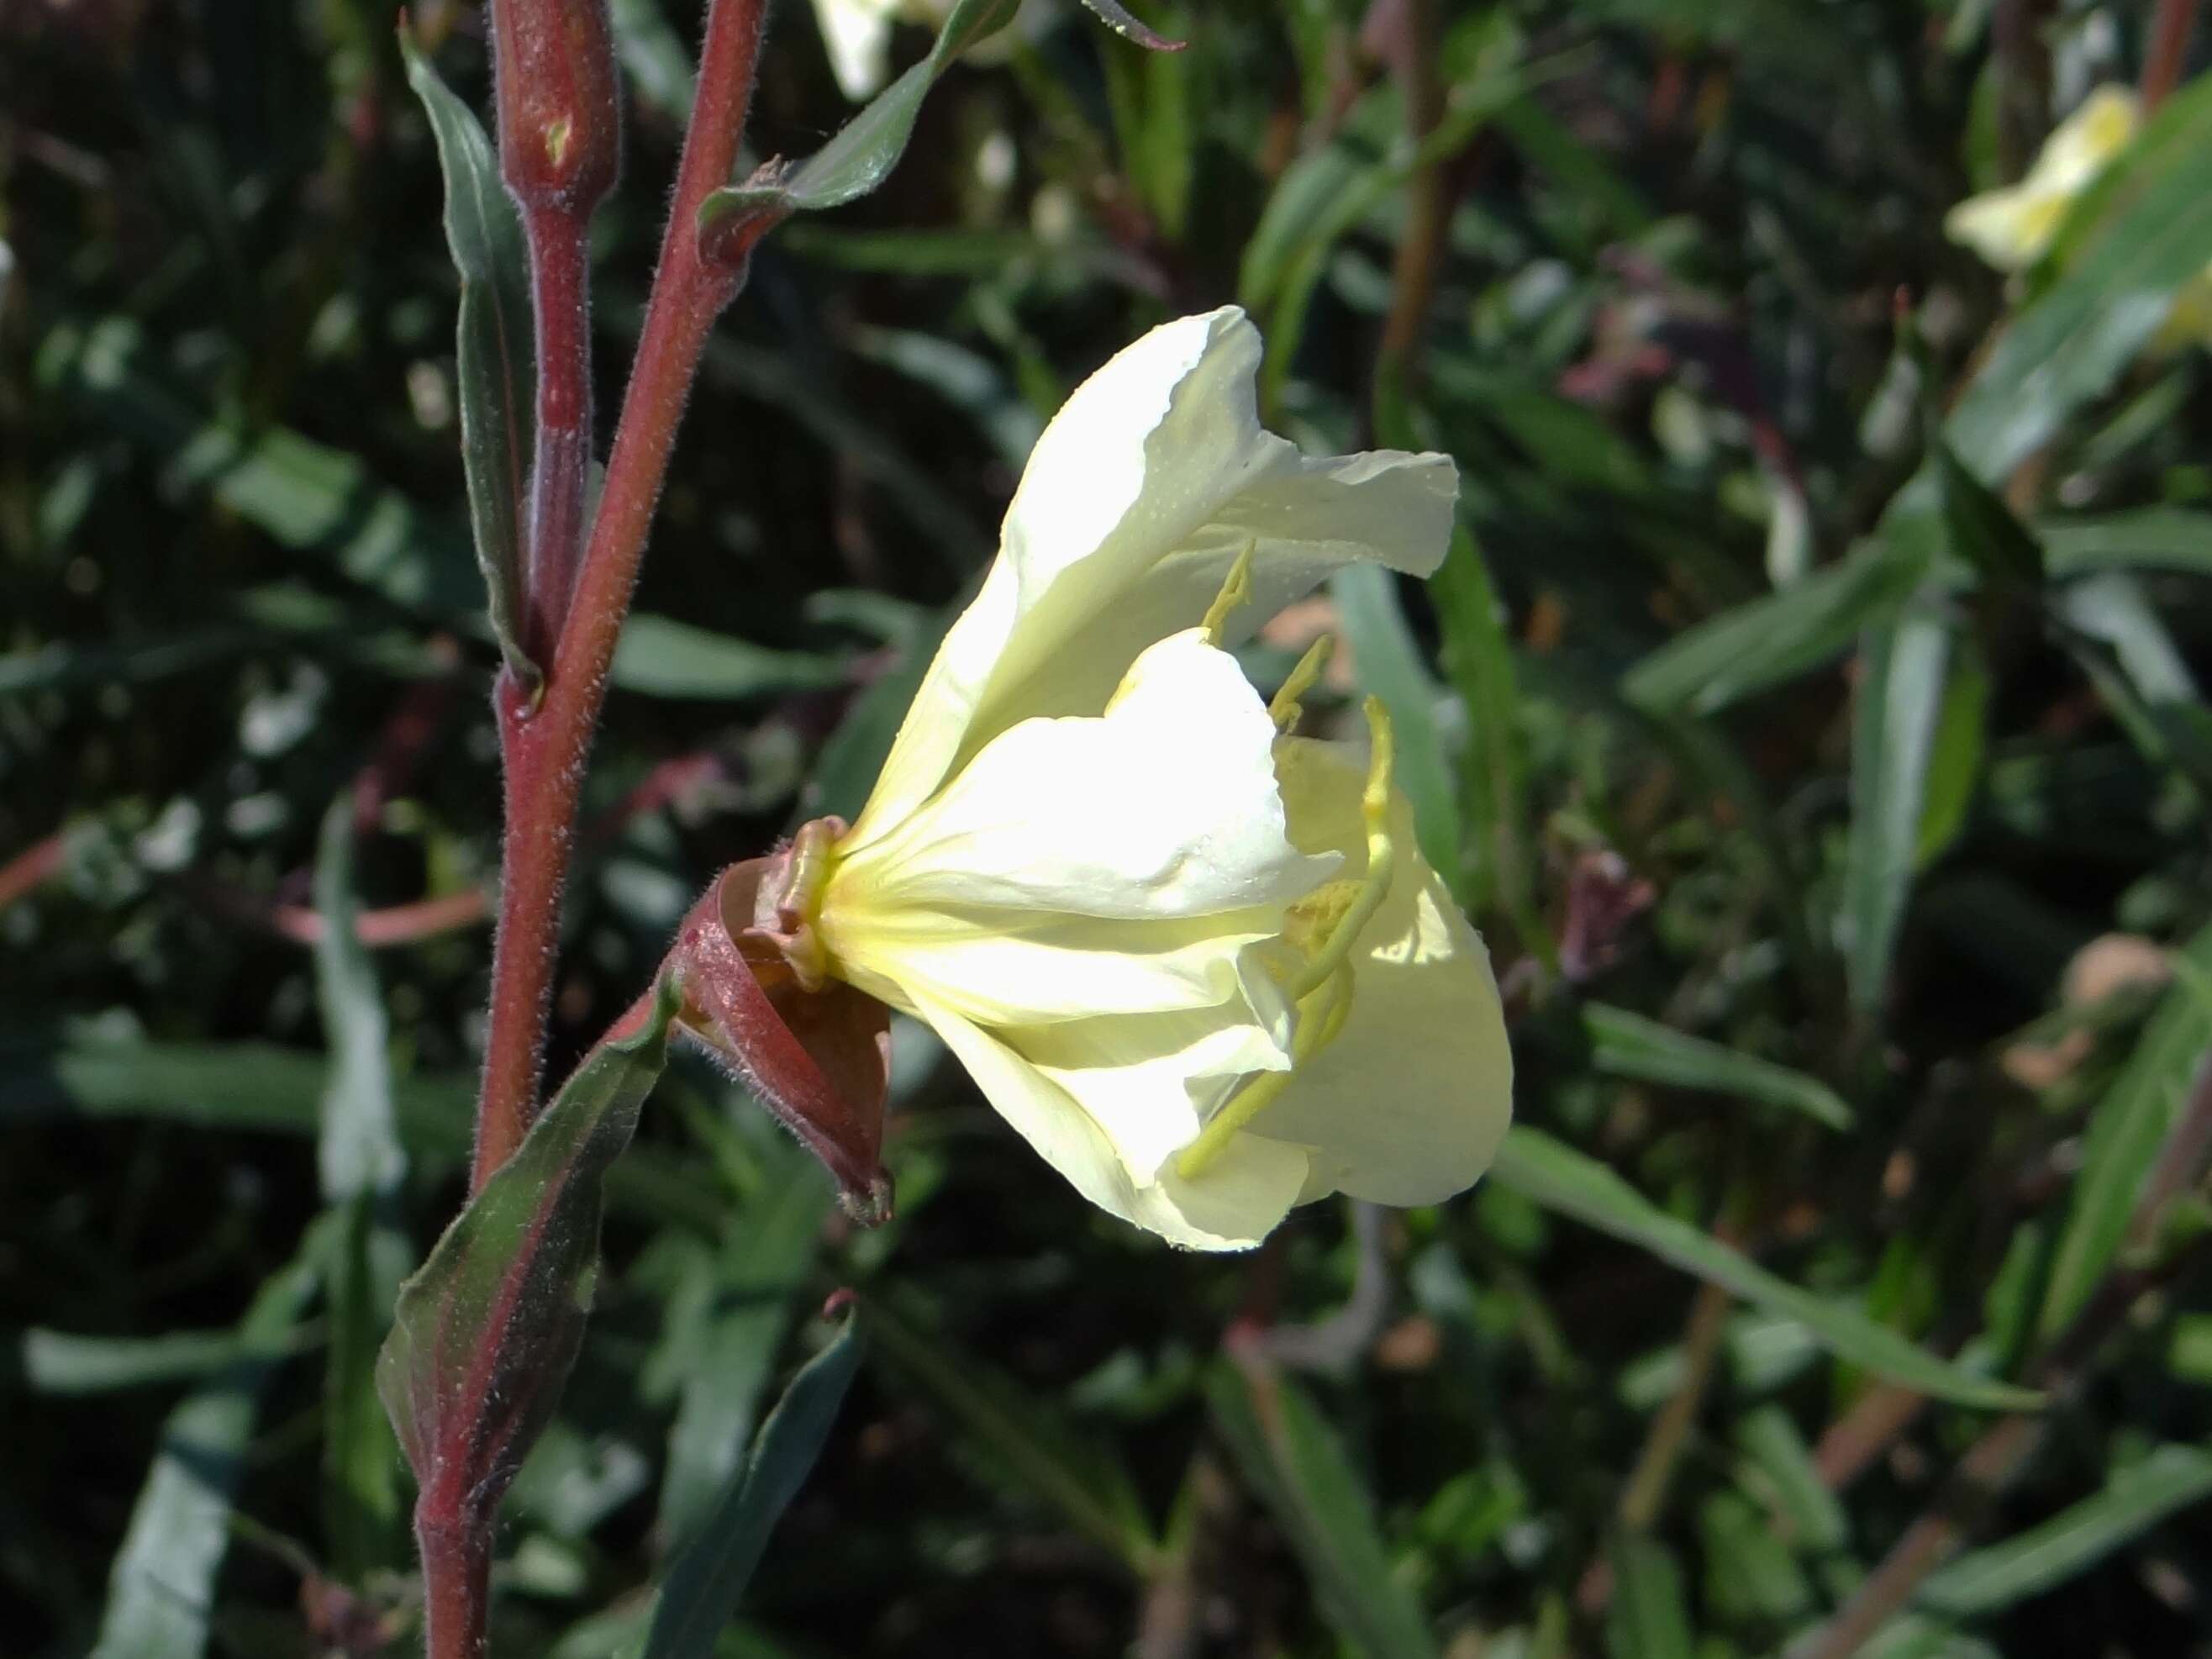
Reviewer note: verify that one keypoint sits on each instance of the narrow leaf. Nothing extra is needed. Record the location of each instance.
(1893, 739)
(487, 1331)
(2125, 1132)
(1982, 530)
(1294, 1461)
(492, 348)
(1649, 1617)
(2076, 1539)
(1626, 1044)
(1548, 1172)
(752, 1285)
(1754, 645)
(1388, 664)
(162, 1584)
(361, 1161)
(709, 1576)
(63, 1362)
(1024, 1437)
(862, 155)
(1479, 656)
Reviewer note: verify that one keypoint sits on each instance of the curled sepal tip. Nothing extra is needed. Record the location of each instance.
(1132, 29)
(819, 1058)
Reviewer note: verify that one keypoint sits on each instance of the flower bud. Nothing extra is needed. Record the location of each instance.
(560, 126)
(819, 1060)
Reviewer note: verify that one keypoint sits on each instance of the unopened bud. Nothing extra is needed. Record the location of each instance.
(818, 1058)
(560, 119)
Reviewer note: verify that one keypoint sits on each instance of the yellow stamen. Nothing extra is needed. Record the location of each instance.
(1329, 967)
(1235, 590)
(1284, 709)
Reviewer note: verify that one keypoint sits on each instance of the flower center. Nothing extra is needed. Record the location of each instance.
(788, 909)
(1323, 926)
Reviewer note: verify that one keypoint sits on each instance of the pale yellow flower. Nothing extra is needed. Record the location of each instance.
(2012, 228)
(1198, 964)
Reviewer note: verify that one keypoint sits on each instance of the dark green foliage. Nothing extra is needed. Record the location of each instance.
(1814, 727)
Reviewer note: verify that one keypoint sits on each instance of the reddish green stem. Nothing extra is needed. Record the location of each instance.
(545, 749)
(560, 279)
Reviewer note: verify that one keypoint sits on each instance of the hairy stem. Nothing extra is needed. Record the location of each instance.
(456, 1548)
(544, 748)
(560, 281)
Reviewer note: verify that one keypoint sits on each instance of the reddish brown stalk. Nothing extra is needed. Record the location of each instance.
(559, 135)
(2168, 49)
(544, 748)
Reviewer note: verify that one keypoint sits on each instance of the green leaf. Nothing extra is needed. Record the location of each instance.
(1954, 762)
(487, 1331)
(358, 1153)
(656, 64)
(2132, 1502)
(1768, 1439)
(2125, 1132)
(1479, 657)
(1626, 1044)
(63, 1362)
(1900, 697)
(862, 155)
(751, 1285)
(361, 1161)
(1150, 95)
(1323, 197)
(494, 348)
(1557, 1177)
(265, 1088)
(1761, 644)
(709, 1574)
(661, 658)
(1294, 1461)
(1982, 530)
(2148, 538)
(1021, 1436)
(161, 1586)
(301, 494)
(1388, 664)
(1649, 1617)
(2144, 231)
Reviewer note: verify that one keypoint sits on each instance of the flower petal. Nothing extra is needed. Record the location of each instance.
(2012, 228)
(1408, 1103)
(1234, 1208)
(857, 35)
(1140, 496)
(1075, 866)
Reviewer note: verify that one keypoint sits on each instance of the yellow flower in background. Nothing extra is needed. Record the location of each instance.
(2012, 228)
(1198, 964)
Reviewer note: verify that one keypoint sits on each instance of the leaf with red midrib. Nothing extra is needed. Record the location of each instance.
(488, 1329)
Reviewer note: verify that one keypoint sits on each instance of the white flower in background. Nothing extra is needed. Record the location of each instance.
(2013, 227)
(1199, 965)
(857, 34)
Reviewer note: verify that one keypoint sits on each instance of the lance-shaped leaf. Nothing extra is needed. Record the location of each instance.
(487, 1331)
(492, 349)
(707, 1579)
(861, 155)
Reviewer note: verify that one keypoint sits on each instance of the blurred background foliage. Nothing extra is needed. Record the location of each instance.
(1809, 714)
